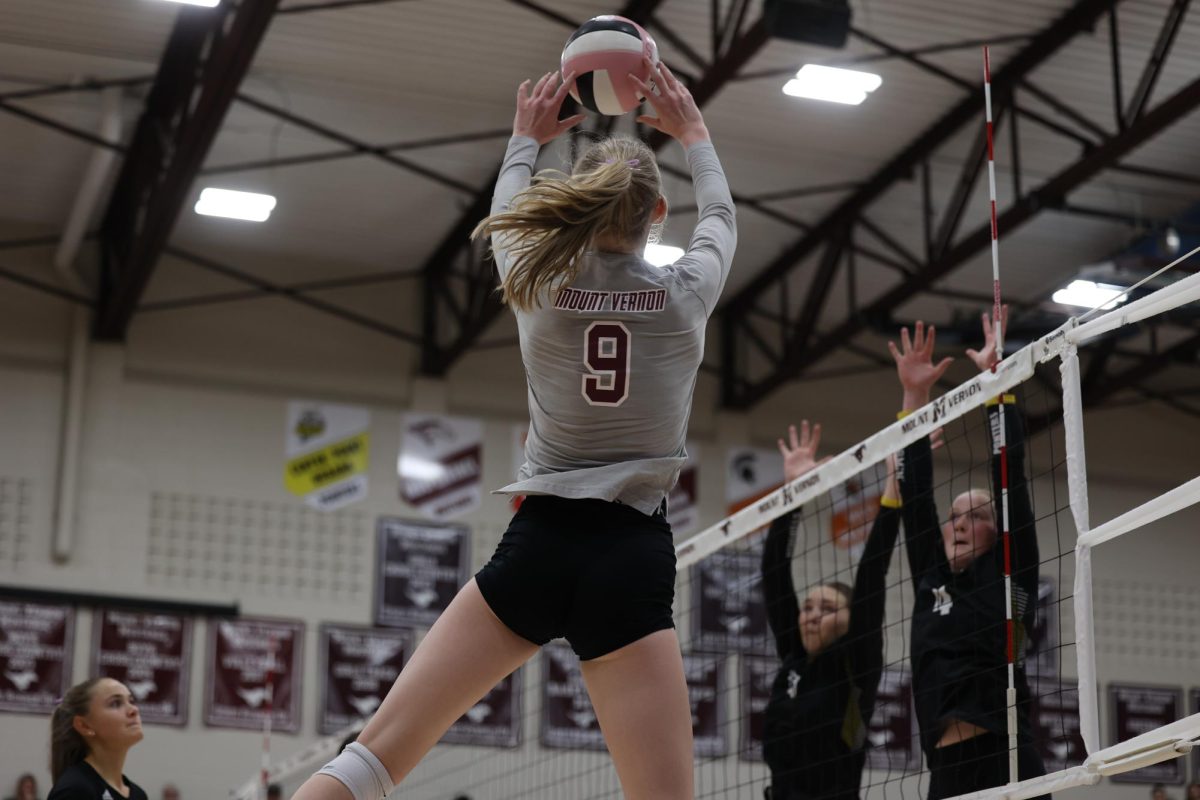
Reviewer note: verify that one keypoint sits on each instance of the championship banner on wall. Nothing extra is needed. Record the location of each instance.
(1041, 642)
(35, 655)
(855, 506)
(757, 676)
(1135, 709)
(893, 739)
(730, 614)
(421, 566)
(358, 666)
(706, 688)
(1054, 717)
(751, 473)
(151, 654)
(568, 720)
(441, 464)
(327, 448)
(495, 721)
(683, 504)
(254, 668)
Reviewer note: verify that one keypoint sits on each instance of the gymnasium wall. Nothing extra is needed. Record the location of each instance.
(190, 413)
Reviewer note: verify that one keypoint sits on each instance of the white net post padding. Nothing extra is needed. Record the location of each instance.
(1085, 639)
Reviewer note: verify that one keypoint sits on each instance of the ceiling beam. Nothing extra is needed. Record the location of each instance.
(206, 58)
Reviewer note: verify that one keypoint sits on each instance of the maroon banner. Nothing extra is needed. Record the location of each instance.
(730, 615)
(706, 687)
(1136, 709)
(254, 667)
(1054, 716)
(1041, 646)
(421, 566)
(35, 656)
(892, 736)
(568, 720)
(358, 666)
(495, 721)
(151, 654)
(1195, 750)
(757, 676)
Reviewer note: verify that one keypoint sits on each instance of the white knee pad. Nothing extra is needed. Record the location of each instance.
(361, 772)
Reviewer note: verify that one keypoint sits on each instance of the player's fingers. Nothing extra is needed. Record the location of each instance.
(892, 349)
(919, 336)
(942, 366)
(815, 442)
(905, 341)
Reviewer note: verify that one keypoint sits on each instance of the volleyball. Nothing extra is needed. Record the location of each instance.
(602, 54)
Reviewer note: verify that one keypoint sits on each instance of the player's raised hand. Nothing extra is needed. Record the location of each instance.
(678, 116)
(537, 108)
(800, 453)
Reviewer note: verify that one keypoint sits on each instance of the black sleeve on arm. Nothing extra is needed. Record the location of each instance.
(870, 592)
(1020, 505)
(779, 592)
(922, 533)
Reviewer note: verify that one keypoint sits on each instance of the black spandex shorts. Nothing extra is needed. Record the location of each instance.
(980, 762)
(598, 573)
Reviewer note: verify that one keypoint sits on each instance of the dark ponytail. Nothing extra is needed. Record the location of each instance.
(67, 746)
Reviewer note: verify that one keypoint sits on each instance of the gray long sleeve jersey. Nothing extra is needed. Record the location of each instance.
(611, 360)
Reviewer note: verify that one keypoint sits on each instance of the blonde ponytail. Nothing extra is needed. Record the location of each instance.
(611, 192)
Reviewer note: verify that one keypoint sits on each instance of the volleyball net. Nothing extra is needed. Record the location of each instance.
(536, 735)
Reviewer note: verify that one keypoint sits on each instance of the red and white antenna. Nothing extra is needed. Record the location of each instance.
(1001, 444)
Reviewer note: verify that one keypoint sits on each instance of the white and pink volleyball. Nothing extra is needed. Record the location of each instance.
(602, 54)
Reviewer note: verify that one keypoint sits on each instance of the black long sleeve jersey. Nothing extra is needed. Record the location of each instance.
(816, 718)
(958, 645)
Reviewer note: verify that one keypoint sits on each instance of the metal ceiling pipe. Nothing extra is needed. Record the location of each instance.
(87, 200)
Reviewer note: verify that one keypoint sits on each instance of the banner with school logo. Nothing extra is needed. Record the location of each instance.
(892, 736)
(254, 670)
(758, 674)
(1135, 709)
(683, 505)
(35, 655)
(441, 464)
(359, 666)
(495, 721)
(151, 654)
(706, 689)
(1054, 717)
(327, 447)
(422, 565)
(730, 614)
(568, 719)
(855, 505)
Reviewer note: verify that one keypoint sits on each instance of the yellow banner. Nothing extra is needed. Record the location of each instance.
(313, 471)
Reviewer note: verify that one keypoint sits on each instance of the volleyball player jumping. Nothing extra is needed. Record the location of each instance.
(831, 648)
(958, 644)
(611, 347)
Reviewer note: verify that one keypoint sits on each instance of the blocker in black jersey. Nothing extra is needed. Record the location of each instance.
(958, 644)
(81, 782)
(816, 719)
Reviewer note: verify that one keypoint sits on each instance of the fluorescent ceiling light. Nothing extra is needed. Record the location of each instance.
(205, 3)
(235, 205)
(832, 84)
(1088, 294)
(660, 255)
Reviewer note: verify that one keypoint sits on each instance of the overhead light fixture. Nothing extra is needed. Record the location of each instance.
(235, 205)
(1089, 294)
(832, 84)
(205, 3)
(660, 255)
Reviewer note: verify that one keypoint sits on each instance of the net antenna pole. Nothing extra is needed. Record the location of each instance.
(1000, 445)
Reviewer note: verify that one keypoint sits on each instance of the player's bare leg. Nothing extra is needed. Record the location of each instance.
(641, 700)
(464, 655)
